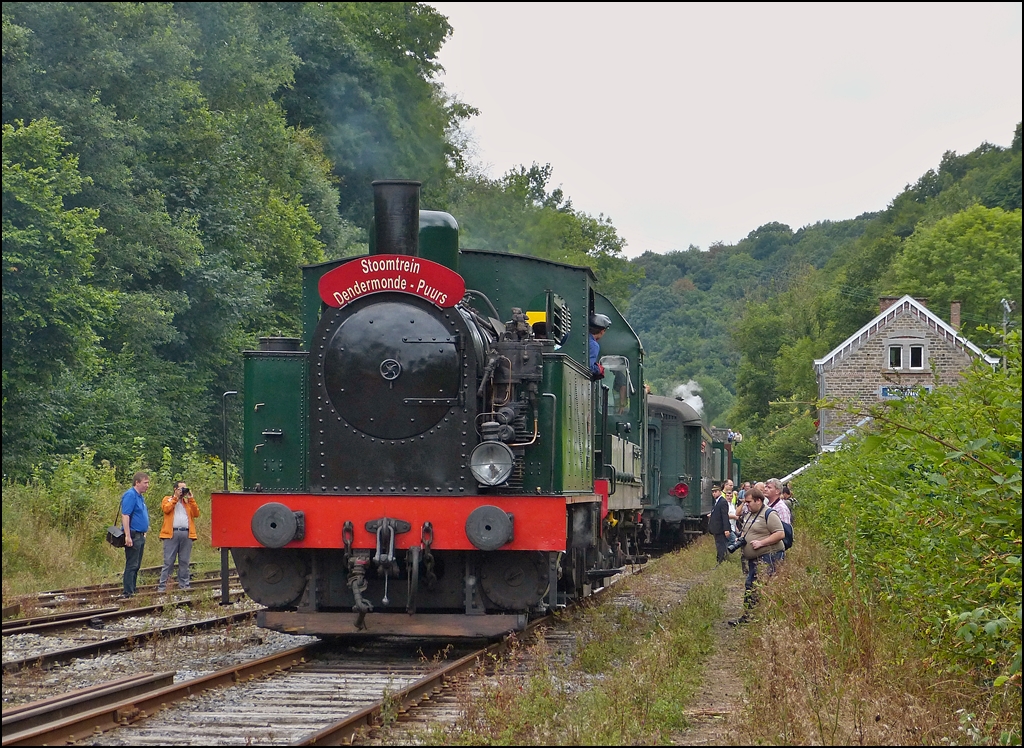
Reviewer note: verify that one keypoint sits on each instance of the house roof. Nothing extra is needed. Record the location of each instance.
(905, 304)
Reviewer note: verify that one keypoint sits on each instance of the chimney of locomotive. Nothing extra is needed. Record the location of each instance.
(396, 217)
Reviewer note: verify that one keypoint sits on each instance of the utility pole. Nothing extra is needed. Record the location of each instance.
(225, 592)
(223, 414)
(1007, 308)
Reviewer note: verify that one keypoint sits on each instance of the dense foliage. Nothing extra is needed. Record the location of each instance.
(197, 202)
(925, 513)
(167, 168)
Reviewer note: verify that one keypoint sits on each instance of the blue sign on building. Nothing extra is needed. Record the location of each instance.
(898, 391)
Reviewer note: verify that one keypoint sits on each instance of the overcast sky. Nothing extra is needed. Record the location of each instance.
(690, 124)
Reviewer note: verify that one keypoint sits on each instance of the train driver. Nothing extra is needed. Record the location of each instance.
(599, 324)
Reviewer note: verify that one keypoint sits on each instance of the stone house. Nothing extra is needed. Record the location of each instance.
(905, 349)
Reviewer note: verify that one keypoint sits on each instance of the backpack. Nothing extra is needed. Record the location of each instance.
(786, 528)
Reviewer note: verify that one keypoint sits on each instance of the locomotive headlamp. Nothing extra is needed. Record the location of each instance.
(491, 463)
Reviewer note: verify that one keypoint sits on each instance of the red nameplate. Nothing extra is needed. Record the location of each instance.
(437, 284)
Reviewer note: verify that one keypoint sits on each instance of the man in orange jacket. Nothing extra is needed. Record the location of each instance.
(178, 531)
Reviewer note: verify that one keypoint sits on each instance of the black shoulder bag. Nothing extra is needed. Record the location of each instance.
(115, 533)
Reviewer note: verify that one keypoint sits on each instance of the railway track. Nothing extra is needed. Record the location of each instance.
(112, 644)
(94, 711)
(308, 695)
(92, 617)
(33, 644)
(316, 694)
(112, 592)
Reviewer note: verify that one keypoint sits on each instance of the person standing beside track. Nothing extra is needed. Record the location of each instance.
(729, 496)
(135, 521)
(764, 534)
(177, 533)
(773, 492)
(787, 496)
(718, 523)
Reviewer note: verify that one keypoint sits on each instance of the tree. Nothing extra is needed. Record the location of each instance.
(973, 256)
(209, 201)
(366, 86)
(520, 213)
(50, 309)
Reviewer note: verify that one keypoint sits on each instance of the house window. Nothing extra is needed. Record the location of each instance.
(895, 357)
(917, 357)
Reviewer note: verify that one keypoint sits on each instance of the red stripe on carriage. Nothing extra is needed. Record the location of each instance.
(539, 522)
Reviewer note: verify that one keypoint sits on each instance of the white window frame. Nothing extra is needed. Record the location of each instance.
(905, 346)
(923, 351)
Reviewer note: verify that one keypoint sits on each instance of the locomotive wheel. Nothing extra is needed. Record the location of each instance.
(271, 577)
(514, 580)
(576, 576)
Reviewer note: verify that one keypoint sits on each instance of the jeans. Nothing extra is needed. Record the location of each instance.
(771, 560)
(180, 545)
(132, 561)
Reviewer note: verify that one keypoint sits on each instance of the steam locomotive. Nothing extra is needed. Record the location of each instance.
(432, 456)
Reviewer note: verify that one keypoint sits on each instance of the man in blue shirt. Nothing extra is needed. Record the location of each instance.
(599, 324)
(135, 520)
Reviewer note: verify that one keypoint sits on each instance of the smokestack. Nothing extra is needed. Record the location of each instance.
(954, 315)
(396, 217)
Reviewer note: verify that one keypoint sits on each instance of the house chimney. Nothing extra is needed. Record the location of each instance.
(884, 302)
(954, 315)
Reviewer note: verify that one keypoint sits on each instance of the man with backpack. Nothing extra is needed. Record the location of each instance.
(763, 532)
(773, 493)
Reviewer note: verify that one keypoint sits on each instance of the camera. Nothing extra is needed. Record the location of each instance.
(184, 491)
(736, 544)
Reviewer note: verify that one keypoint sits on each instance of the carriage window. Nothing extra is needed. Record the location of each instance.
(895, 357)
(917, 357)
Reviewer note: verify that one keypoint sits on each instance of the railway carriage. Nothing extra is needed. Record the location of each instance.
(680, 472)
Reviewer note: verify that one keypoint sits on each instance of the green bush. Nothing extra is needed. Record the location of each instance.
(924, 514)
(54, 524)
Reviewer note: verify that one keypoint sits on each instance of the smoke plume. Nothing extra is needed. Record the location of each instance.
(688, 394)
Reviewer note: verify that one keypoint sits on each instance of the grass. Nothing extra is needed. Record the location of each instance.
(834, 666)
(54, 528)
(40, 556)
(629, 680)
